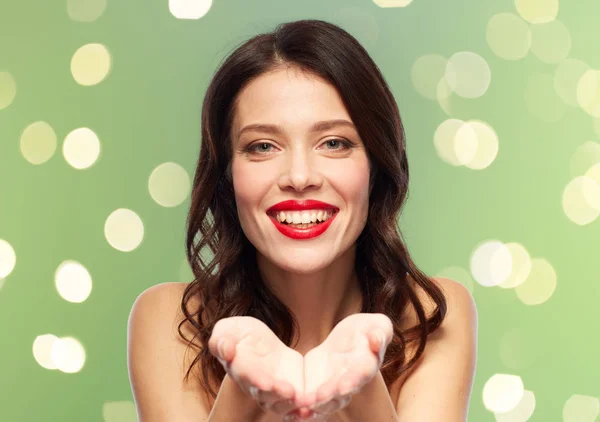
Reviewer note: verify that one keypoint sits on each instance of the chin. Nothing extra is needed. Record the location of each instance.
(301, 265)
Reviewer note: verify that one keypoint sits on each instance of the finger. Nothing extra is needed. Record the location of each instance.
(326, 391)
(283, 406)
(284, 389)
(331, 406)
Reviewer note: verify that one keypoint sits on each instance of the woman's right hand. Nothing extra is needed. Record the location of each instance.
(261, 364)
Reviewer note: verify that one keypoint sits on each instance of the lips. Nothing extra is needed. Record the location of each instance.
(295, 205)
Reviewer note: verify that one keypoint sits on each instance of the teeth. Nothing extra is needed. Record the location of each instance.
(309, 216)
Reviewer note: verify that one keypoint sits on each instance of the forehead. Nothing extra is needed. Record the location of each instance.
(289, 98)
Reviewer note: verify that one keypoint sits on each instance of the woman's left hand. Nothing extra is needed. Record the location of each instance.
(344, 363)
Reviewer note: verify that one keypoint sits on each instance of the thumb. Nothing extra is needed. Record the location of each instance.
(224, 350)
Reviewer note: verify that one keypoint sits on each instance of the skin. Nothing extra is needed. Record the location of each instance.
(314, 278)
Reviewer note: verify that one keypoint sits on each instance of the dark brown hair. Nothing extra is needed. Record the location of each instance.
(229, 284)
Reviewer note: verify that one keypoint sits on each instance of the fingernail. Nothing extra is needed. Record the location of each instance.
(220, 348)
(381, 347)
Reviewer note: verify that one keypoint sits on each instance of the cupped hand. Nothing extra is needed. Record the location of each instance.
(261, 364)
(315, 385)
(345, 362)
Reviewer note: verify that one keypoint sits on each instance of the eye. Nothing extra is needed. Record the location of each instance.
(345, 145)
(258, 148)
(263, 148)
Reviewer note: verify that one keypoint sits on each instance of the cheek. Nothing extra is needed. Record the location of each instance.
(353, 183)
(249, 186)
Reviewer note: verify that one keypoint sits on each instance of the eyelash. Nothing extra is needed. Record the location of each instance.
(347, 145)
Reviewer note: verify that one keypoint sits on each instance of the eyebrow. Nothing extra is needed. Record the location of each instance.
(317, 127)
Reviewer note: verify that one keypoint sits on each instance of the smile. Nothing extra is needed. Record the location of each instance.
(303, 225)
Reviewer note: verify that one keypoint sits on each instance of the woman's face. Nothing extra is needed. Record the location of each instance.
(295, 162)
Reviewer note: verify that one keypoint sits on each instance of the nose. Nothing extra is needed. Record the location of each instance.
(300, 171)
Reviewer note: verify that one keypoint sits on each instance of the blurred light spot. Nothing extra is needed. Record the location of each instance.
(42, 350)
(8, 258)
(68, 355)
(487, 145)
(8, 89)
(585, 157)
(444, 94)
(491, 263)
(591, 191)
(189, 9)
(90, 64)
(124, 230)
(542, 100)
(508, 36)
(468, 74)
(550, 42)
(81, 148)
(522, 412)
(119, 411)
(537, 11)
(566, 77)
(521, 265)
(444, 139)
(465, 143)
(503, 392)
(85, 10)
(426, 74)
(169, 184)
(38, 142)
(575, 205)
(460, 275)
(392, 3)
(73, 281)
(580, 408)
(517, 350)
(588, 92)
(539, 285)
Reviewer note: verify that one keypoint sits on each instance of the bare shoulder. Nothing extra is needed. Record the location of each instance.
(460, 306)
(457, 296)
(158, 358)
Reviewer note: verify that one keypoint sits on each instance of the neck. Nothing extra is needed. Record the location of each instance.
(318, 300)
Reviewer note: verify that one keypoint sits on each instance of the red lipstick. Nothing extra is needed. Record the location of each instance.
(307, 204)
(293, 205)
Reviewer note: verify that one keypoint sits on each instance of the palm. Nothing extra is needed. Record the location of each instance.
(256, 359)
(323, 380)
(347, 360)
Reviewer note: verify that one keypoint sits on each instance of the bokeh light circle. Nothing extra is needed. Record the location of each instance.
(8, 258)
(90, 64)
(503, 392)
(537, 11)
(575, 205)
(426, 73)
(508, 36)
(73, 281)
(169, 184)
(550, 42)
(38, 142)
(81, 148)
(124, 230)
(491, 263)
(8, 89)
(468, 74)
(539, 285)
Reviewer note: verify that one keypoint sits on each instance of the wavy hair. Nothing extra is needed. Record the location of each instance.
(229, 284)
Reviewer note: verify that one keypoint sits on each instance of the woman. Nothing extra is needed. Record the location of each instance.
(311, 292)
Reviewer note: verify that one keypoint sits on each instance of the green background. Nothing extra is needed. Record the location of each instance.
(147, 112)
